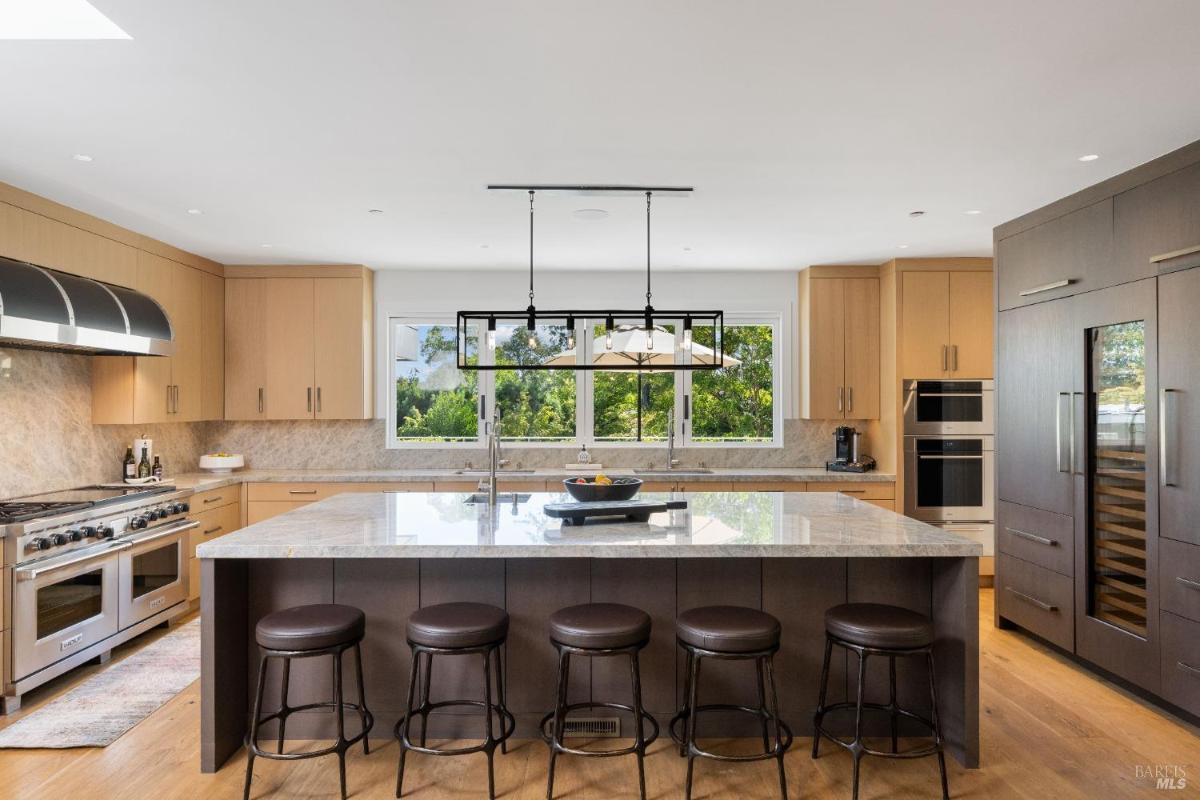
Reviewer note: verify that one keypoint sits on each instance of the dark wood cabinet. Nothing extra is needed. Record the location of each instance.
(1157, 223)
(1037, 599)
(1116, 477)
(1179, 400)
(1076, 248)
(1179, 578)
(1180, 663)
(1037, 364)
(1039, 537)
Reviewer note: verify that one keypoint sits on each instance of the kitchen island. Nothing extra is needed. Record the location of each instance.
(791, 554)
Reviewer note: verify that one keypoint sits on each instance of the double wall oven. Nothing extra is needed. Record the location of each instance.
(949, 456)
(90, 569)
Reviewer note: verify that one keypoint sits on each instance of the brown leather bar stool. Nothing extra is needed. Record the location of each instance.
(871, 629)
(456, 629)
(730, 633)
(597, 630)
(307, 632)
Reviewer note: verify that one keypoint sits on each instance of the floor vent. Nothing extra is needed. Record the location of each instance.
(602, 727)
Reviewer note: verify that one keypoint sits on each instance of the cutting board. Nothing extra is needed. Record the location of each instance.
(628, 510)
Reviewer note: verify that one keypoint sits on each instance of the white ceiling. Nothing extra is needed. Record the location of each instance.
(809, 129)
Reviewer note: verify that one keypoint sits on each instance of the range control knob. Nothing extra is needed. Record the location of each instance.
(87, 532)
(104, 532)
(183, 507)
(74, 535)
(161, 513)
(58, 539)
(137, 523)
(39, 544)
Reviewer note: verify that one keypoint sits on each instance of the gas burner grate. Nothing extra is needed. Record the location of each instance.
(20, 512)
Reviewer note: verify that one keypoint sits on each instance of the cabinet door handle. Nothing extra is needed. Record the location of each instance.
(168, 398)
(954, 358)
(302, 491)
(1188, 668)
(1046, 287)
(841, 394)
(177, 398)
(309, 390)
(1167, 466)
(945, 359)
(1061, 433)
(850, 398)
(1033, 537)
(212, 530)
(1188, 582)
(216, 499)
(260, 400)
(1044, 606)
(318, 399)
(1161, 257)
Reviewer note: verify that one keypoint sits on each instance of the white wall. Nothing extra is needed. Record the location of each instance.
(401, 292)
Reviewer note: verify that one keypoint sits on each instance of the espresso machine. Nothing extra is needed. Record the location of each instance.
(846, 457)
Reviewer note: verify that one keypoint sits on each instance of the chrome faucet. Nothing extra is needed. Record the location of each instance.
(672, 461)
(494, 459)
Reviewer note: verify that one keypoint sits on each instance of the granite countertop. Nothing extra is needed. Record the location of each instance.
(200, 481)
(716, 524)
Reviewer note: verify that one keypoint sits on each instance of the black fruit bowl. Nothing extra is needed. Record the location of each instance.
(591, 492)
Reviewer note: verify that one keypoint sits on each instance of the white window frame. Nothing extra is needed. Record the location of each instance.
(585, 390)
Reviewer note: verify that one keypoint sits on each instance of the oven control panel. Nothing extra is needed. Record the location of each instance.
(53, 540)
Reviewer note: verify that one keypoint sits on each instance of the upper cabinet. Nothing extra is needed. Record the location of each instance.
(839, 345)
(1157, 225)
(946, 324)
(1065, 256)
(175, 388)
(298, 346)
(212, 346)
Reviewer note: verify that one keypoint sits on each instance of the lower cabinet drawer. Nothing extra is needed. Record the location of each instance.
(1037, 599)
(863, 490)
(217, 522)
(215, 498)
(1179, 578)
(1181, 662)
(257, 512)
(1039, 537)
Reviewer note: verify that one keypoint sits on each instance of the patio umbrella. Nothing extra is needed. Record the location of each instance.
(631, 351)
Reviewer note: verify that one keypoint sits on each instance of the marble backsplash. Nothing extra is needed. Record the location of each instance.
(47, 439)
(360, 445)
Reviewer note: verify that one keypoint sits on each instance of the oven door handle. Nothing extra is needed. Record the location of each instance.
(949, 394)
(948, 458)
(35, 571)
(170, 530)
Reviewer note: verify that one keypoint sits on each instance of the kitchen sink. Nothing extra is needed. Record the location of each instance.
(671, 473)
(481, 498)
(500, 473)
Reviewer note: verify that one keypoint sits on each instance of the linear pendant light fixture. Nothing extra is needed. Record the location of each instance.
(633, 341)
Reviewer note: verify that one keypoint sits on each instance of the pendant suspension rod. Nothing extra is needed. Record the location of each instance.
(648, 295)
(531, 247)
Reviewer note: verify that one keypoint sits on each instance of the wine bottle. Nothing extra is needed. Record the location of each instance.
(157, 469)
(144, 465)
(129, 466)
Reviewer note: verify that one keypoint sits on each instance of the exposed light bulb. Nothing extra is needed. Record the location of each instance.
(650, 338)
(532, 340)
(687, 338)
(491, 340)
(570, 341)
(608, 341)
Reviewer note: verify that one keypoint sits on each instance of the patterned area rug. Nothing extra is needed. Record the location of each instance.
(98, 711)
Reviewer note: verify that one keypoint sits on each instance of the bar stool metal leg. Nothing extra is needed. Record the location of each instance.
(690, 738)
(856, 746)
(560, 714)
(639, 737)
(362, 696)
(820, 712)
(341, 718)
(408, 703)
(779, 746)
(283, 705)
(892, 704)
(500, 692)
(258, 695)
(487, 719)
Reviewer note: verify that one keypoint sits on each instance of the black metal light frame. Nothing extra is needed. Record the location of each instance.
(644, 319)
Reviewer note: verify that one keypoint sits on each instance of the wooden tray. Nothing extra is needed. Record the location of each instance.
(630, 510)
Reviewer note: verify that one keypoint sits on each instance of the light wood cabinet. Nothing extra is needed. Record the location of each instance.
(266, 500)
(839, 346)
(214, 523)
(298, 346)
(148, 389)
(212, 347)
(946, 324)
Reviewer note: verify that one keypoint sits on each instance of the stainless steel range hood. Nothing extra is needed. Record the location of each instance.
(44, 309)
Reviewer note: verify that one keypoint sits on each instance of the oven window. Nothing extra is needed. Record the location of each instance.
(949, 403)
(155, 569)
(69, 602)
(947, 481)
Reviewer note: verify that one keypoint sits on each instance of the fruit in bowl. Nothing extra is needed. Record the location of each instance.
(602, 487)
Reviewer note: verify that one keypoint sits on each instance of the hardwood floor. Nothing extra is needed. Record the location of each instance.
(1049, 729)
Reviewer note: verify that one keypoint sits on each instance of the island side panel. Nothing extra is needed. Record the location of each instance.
(458, 580)
(904, 582)
(797, 591)
(536, 588)
(956, 653)
(720, 581)
(388, 591)
(223, 686)
(276, 584)
(648, 584)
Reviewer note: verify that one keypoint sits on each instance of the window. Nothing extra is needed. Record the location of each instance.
(437, 404)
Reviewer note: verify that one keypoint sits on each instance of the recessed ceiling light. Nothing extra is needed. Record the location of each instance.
(973, 212)
(81, 157)
(484, 246)
(57, 19)
(195, 212)
(590, 213)
(374, 210)
(1089, 157)
(264, 245)
(687, 249)
(902, 246)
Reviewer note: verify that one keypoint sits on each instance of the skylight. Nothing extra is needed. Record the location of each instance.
(55, 19)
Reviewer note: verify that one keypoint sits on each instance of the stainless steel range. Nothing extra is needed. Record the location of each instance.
(87, 569)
